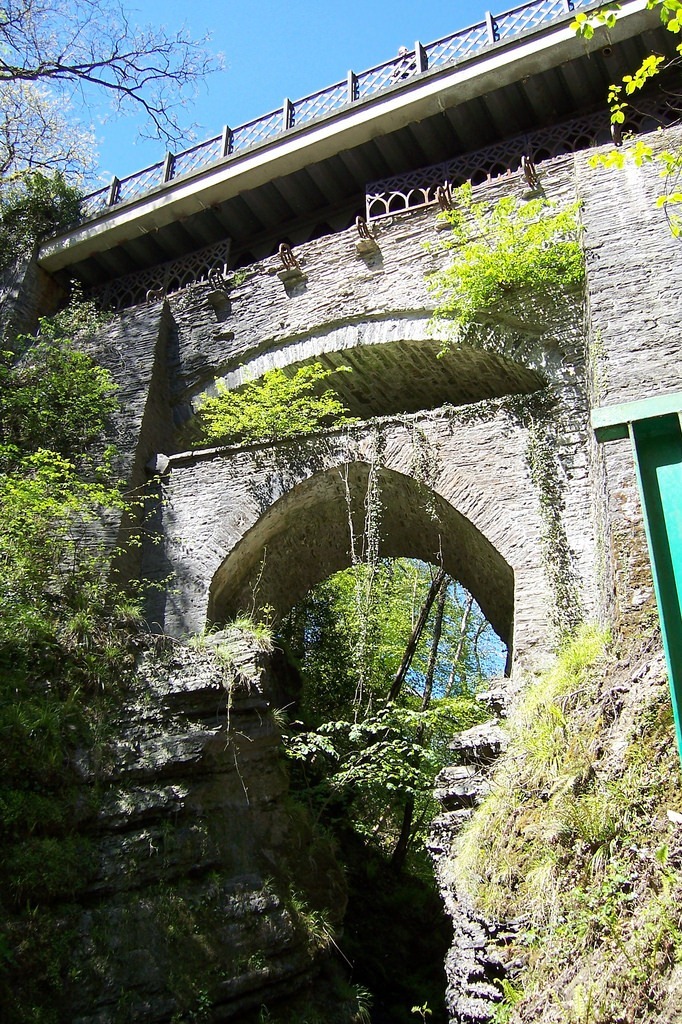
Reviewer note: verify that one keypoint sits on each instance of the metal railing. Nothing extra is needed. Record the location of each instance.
(447, 51)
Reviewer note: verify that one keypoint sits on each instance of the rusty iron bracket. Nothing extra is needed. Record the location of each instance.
(444, 197)
(291, 268)
(366, 242)
(530, 172)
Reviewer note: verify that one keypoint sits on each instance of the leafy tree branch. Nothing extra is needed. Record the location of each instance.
(273, 407)
(669, 162)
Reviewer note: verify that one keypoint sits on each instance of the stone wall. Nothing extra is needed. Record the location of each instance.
(634, 311)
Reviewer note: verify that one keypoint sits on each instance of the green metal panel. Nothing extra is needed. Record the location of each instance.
(611, 422)
(657, 444)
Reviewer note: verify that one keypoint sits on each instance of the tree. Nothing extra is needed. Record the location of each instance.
(55, 407)
(30, 207)
(37, 131)
(381, 697)
(53, 49)
(52, 396)
(272, 407)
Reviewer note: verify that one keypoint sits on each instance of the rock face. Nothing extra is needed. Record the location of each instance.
(203, 876)
(472, 965)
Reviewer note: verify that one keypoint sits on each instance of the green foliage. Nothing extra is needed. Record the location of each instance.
(32, 205)
(570, 839)
(54, 591)
(639, 152)
(584, 24)
(64, 648)
(379, 604)
(502, 248)
(358, 757)
(314, 925)
(511, 996)
(273, 407)
(46, 868)
(52, 396)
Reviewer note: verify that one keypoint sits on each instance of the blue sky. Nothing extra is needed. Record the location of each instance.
(277, 49)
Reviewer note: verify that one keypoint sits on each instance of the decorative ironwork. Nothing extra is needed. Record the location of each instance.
(321, 103)
(530, 16)
(456, 47)
(198, 156)
(217, 279)
(421, 188)
(260, 130)
(366, 245)
(362, 228)
(142, 181)
(95, 202)
(205, 266)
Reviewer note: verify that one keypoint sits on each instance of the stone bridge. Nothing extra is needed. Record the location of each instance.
(447, 445)
(483, 455)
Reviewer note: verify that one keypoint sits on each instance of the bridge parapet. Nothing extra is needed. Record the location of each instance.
(458, 46)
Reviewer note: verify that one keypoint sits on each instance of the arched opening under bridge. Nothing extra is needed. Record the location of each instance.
(330, 519)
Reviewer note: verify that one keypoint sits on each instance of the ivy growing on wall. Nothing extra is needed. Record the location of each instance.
(542, 461)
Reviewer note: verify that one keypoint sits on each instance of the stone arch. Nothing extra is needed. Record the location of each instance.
(398, 366)
(305, 536)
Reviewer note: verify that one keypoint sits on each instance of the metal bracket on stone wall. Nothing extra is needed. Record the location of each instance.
(445, 203)
(530, 172)
(218, 297)
(366, 243)
(292, 271)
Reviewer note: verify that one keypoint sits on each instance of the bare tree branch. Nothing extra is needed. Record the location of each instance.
(85, 45)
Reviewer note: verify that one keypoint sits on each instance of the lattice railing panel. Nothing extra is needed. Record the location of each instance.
(457, 47)
(321, 103)
(165, 279)
(197, 157)
(95, 202)
(384, 75)
(402, 193)
(137, 184)
(260, 130)
(531, 16)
